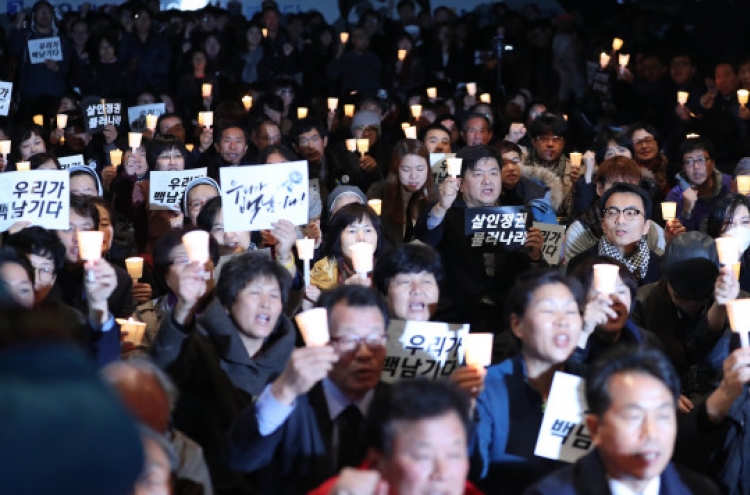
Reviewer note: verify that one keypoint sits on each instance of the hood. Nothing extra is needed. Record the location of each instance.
(197, 182)
(547, 178)
(92, 173)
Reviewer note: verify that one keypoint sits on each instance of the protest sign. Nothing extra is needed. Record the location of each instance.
(6, 91)
(255, 196)
(553, 241)
(137, 115)
(423, 349)
(41, 197)
(98, 112)
(494, 227)
(439, 167)
(13, 7)
(167, 188)
(45, 49)
(68, 161)
(563, 435)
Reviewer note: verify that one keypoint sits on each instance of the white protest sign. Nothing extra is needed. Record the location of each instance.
(553, 241)
(423, 349)
(45, 49)
(167, 188)
(41, 197)
(254, 196)
(438, 166)
(137, 115)
(68, 161)
(6, 90)
(563, 435)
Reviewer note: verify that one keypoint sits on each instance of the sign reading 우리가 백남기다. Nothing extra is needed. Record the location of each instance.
(255, 196)
(6, 91)
(97, 113)
(41, 197)
(42, 49)
(167, 188)
(553, 241)
(496, 227)
(564, 435)
(423, 349)
(137, 115)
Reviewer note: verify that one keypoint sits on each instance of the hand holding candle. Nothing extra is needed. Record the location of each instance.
(206, 89)
(363, 146)
(133, 330)
(668, 210)
(376, 205)
(306, 252)
(206, 119)
(349, 110)
(247, 102)
(603, 60)
(333, 104)
(605, 278)
(682, 97)
(134, 266)
(23, 166)
(743, 183)
(617, 44)
(728, 249)
(453, 166)
(62, 121)
(151, 122)
(416, 111)
(115, 157)
(362, 257)
(738, 312)
(196, 245)
(134, 140)
(478, 349)
(90, 249)
(471, 88)
(351, 145)
(742, 95)
(313, 325)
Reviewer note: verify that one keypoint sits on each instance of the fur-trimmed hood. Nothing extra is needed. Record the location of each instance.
(548, 179)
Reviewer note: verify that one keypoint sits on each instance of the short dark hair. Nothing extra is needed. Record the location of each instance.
(355, 296)
(627, 359)
(723, 213)
(435, 126)
(414, 400)
(306, 125)
(548, 123)
(241, 270)
(40, 242)
(626, 188)
(528, 282)
(160, 144)
(37, 160)
(602, 139)
(473, 116)
(165, 116)
(8, 255)
(285, 151)
(407, 258)
(507, 147)
(644, 127)
(228, 124)
(84, 207)
(584, 273)
(164, 246)
(470, 156)
(346, 215)
(698, 143)
(620, 167)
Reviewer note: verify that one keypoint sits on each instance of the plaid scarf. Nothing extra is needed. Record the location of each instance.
(637, 264)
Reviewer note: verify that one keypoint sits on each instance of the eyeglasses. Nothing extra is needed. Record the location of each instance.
(43, 273)
(698, 161)
(350, 343)
(197, 204)
(169, 157)
(645, 141)
(630, 213)
(550, 139)
(304, 141)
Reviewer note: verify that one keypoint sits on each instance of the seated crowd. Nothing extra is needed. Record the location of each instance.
(224, 390)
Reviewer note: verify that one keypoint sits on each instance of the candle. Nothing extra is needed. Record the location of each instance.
(306, 252)
(471, 88)
(351, 145)
(605, 278)
(404, 125)
(603, 60)
(196, 245)
(206, 119)
(376, 205)
(189, 147)
(90, 245)
(206, 90)
(5, 146)
(575, 159)
(134, 140)
(682, 97)
(363, 145)
(623, 58)
(485, 98)
(668, 210)
(115, 157)
(344, 37)
(432, 93)
(738, 312)
(617, 44)
(151, 122)
(743, 183)
(349, 110)
(742, 96)
(401, 55)
(737, 268)
(134, 266)
(416, 111)
(132, 330)
(264, 31)
(361, 254)
(454, 166)
(23, 166)
(313, 325)
(38, 119)
(410, 132)
(62, 120)
(333, 104)
(247, 102)
(728, 249)
(301, 112)
(478, 350)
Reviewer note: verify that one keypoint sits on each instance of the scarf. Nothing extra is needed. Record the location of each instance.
(637, 264)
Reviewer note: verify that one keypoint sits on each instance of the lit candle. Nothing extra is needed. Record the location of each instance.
(115, 157)
(471, 88)
(363, 145)
(247, 102)
(738, 312)
(623, 58)
(376, 205)
(90, 245)
(62, 120)
(485, 98)
(416, 111)
(668, 210)
(306, 252)
(351, 145)
(575, 159)
(478, 349)
(603, 60)
(453, 166)
(728, 249)
(313, 325)
(333, 104)
(264, 31)
(206, 90)
(206, 119)
(196, 245)
(5, 149)
(39, 119)
(134, 140)
(682, 97)
(23, 166)
(401, 55)
(432, 93)
(344, 37)
(134, 266)
(361, 254)
(742, 96)
(410, 132)
(605, 278)
(301, 112)
(743, 183)
(189, 147)
(617, 44)
(349, 110)
(151, 122)
(404, 125)
(132, 330)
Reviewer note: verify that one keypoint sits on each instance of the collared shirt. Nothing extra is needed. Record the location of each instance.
(619, 488)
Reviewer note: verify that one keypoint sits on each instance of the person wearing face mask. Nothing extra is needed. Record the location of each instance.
(731, 218)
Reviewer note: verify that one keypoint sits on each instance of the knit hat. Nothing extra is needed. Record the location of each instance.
(92, 173)
(365, 118)
(691, 265)
(743, 167)
(208, 181)
(340, 191)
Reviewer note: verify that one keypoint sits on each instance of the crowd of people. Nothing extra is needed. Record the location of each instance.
(222, 394)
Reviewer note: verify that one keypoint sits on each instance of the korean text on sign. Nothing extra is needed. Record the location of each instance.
(253, 197)
(41, 197)
(423, 349)
(167, 188)
(438, 166)
(496, 227)
(97, 113)
(45, 49)
(6, 90)
(553, 241)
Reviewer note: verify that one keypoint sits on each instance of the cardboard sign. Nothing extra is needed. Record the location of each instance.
(496, 227)
(13, 7)
(439, 167)
(255, 196)
(6, 91)
(316, 202)
(45, 49)
(166, 189)
(68, 161)
(137, 115)
(423, 349)
(41, 197)
(553, 241)
(563, 435)
(97, 114)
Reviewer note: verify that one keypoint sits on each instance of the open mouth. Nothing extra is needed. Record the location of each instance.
(562, 341)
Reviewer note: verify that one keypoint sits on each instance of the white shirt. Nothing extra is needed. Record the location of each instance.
(619, 488)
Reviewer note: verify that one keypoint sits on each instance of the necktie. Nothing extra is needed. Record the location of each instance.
(351, 446)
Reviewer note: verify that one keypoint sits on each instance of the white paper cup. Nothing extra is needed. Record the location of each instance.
(471, 88)
(5, 146)
(90, 245)
(453, 166)
(62, 120)
(151, 121)
(23, 166)
(363, 145)
(743, 183)
(344, 37)
(603, 61)
(351, 145)
(361, 254)
(134, 266)
(301, 112)
(728, 249)
(669, 210)
(401, 54)
(738, 312)
(305, 248)
(478, 349)
(38, 119)
(196, 245)
(134, 329)
(206, 89)
(134, 140)
(485, 98)
(432, 93)
(624, 59)
(416, 111)
(333, 104)
(206, 119)
(410, 132)
(349, 110)
(115, 157)
(742, 95)
(575, 159)
(682, 97)
(617, 44)
(605, 278)
(247, 102)
(313, 325)
(377, 205)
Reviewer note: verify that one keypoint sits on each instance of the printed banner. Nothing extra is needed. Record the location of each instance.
(137, 115)
(167, 188)
(255, 196)
(68, 161)
(439, 167)
(41, 197)
(494, 227)
(423, 349)
(553, 241)
(45, 49)
(98, 112)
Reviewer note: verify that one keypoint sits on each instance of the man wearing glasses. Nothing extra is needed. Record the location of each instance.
(700, 185)
(308, 423)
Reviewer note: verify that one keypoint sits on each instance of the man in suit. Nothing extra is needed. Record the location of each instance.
(309, 423)
(632, 395)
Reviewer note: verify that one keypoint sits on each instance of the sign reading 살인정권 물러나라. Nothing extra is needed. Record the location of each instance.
(496, 227)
